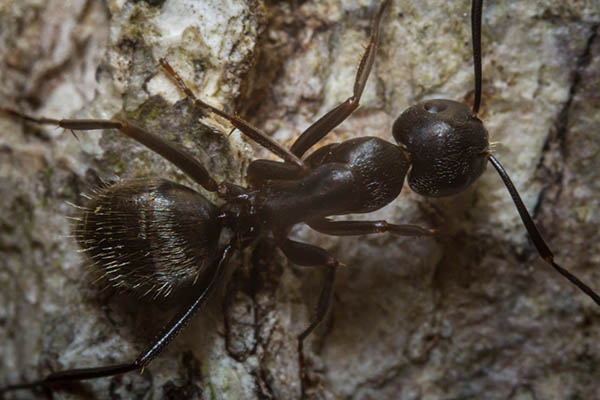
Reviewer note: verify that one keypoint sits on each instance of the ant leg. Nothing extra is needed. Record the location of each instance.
(250, 131)
(349, 228)
(309, 255)
(322, 306)
(261, 171)
(333, 118)
(539, 243)
(178, 157)
(165, 336)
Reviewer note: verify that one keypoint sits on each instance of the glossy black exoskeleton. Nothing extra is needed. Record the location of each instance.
(152, 236)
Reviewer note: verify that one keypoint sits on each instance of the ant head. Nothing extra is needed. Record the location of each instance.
(447, 144)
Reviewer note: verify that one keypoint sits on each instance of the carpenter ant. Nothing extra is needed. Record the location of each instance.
(152, 235)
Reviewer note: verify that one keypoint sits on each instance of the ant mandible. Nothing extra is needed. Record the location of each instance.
(350, 177)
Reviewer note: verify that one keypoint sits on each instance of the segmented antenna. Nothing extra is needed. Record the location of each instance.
(476, 37)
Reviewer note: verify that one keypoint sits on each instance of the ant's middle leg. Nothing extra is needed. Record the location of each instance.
(250, 131)
(260, 172)
(309, 255)
(333, 118)
(180, 158)
(351, 228)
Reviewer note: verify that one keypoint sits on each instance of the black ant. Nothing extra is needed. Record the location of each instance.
(276, 186)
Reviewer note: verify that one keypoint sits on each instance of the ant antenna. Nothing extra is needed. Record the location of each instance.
(535, 235)
(539, 243)
(476, 35)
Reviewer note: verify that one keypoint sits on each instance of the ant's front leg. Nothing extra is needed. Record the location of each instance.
(333, 118)
(180, 158)
(351, 228)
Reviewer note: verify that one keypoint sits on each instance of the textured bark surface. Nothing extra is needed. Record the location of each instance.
(472, 314)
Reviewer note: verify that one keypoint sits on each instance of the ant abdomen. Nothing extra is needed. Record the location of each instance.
(149, 236)
(447, 144)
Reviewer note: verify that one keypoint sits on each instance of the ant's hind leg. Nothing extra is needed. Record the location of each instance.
(164, 337)
(333, 118)
(250, 131)
(180, 158)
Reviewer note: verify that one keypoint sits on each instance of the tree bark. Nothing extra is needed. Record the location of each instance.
(471, 314)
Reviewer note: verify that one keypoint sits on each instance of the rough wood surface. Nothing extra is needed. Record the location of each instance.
(473, 314)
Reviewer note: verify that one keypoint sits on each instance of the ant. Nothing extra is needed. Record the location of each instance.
(269, 181)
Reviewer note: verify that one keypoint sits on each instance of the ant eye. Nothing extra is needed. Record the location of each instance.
(434, 106)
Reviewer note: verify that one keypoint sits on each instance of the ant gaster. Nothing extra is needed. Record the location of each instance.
(151, 236)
